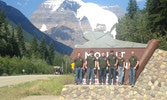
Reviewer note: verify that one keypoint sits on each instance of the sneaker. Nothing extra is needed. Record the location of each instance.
(133, 85)
(76, 83)
(109, 83)
(100, 84)
(87, 83)
(92, 83)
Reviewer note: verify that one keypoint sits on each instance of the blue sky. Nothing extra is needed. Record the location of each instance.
(27, 7)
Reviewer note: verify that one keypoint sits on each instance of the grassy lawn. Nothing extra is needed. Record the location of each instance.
(51, 86)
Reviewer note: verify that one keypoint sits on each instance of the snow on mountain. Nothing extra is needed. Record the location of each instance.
(97, 15)
(67, 20)
(78, 1)
(53, 4)
(43, 28)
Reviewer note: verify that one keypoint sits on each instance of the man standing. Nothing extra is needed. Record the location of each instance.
(91, 66)
(78, 66)
(102, 64)
(133, 64)
(112, 62)
(121, 68)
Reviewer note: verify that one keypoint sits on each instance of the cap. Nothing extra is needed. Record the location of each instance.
(111, 50)
(91, 51)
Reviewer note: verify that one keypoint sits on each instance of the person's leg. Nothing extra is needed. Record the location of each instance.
(104, 75)
(114, 74)
(119, 74)
(109, 77)
(130, 75)
(134, 77)
(100, 75)
(76, 75)
(92, 75)
(122, 76)
(80, 75)
(87, 77)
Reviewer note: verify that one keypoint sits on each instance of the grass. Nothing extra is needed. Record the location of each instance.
(51, 86)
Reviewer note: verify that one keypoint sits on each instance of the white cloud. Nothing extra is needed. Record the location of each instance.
(140, 0)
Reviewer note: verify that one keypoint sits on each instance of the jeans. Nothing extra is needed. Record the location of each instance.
(132, 76)
(78, 73)
(112, 70)
(90, 71)
(120, 74)
(102, 75)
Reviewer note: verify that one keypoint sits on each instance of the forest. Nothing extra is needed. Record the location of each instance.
(146, 24)
(20, 57)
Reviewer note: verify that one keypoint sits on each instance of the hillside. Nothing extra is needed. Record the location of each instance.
(16, 17)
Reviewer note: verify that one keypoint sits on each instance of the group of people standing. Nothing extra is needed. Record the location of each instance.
(112, 63)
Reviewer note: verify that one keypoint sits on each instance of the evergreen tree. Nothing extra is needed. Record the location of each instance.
(132, 8)
(157, 21)
(157, 12)
(14, 44)
(21, 41)
(34, 44)
(51, 53)
(43, 49)
(4, 34)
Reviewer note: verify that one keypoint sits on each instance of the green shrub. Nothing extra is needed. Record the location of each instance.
(4, 74)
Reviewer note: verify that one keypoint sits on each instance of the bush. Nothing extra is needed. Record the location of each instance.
(15, 66)
(4, 74)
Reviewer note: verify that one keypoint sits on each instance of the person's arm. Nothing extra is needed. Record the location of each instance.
(98, 66)
(116, 62)
(74, 66)
(136, 65)
(86, 64)
(129, 64)
(123, 65)
(108, 63)
(83, 64)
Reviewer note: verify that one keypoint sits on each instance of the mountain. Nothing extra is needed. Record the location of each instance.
(67, 20)
(117, 10)
(16, 17)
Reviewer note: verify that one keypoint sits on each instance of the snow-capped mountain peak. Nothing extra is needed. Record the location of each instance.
(78, 1)
(53, 4)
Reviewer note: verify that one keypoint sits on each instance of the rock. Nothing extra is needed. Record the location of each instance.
(121, 90)
(150, 83)
(162, 66)
(160, 51)
(156, 83)
(74, 95)
(162, 71)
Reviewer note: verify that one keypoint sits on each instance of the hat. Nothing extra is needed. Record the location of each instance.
(91, 51)
(111, 50)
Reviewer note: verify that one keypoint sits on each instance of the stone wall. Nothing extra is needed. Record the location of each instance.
(151, 84)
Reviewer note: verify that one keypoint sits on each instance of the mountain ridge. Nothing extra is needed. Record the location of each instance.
(65, 13)
(17, 17)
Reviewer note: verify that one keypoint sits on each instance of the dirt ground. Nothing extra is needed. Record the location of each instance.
(41, 98)
(14, 80)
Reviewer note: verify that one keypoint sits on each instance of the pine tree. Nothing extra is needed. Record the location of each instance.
(157, 12)
(34, 44)
(43, 49)
(132, 8)
(15, 47)
(21, 41)
(4, 34)
(157, 21)
(51, 53)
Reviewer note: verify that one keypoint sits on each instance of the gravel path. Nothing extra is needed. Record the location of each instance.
(14, 80)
